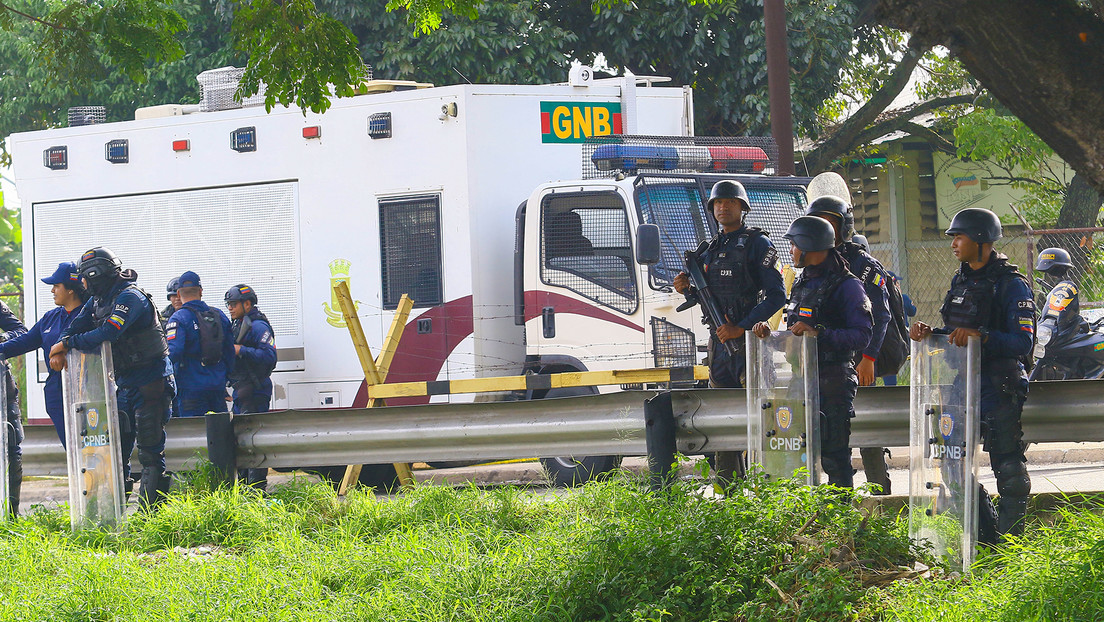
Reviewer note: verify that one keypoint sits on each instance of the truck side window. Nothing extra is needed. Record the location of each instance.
(586, 247)
(410, 250)
(677, 208)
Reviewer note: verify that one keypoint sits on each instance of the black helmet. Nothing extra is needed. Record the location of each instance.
(861, 240)
(728, 189)
(978, 224)
(837, 207)
(1054, 260)
(241, 292)
(100, 268)
(172, 287)
(810, 234)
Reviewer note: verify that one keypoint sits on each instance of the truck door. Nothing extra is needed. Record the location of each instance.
(585, 310)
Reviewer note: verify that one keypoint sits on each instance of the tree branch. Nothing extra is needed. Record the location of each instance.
(54, 25)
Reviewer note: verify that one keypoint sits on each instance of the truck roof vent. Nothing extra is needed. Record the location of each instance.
(610, 155)
(217, 88)
(86, 115)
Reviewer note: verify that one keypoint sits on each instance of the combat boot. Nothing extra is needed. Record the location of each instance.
(1010, 515)
(152, 491)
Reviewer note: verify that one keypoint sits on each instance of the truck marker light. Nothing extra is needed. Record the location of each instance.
(313, 131)
(244, 139)
(182, 145)
(56, 158)
(379, 125)
(117, 151)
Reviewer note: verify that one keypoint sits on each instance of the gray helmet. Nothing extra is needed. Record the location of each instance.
(976, 223)
(728, 189)
(810, 234)
(172, 287)
(1055, 261)
(100, 268)
(837, 207)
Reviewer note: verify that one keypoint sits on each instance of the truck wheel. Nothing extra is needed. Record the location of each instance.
(567, 471)
(381, 477)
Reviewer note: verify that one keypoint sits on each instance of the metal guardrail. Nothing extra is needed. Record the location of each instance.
(708, 420)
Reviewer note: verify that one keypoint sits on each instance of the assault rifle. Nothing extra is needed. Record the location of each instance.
(701, 294)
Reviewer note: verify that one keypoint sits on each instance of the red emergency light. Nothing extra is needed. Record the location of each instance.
(313, 131)
(182, 145)
(56, 158)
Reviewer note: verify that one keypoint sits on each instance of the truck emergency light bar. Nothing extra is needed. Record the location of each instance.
(690, 154)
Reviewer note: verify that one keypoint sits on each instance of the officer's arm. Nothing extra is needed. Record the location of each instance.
(82, 323)
(264, 352)
(858, 322)
(22, 344)
(176, 336)
(228, 354)
(1017, 331)
(9, 323)
(875, 287)
(128, 307)
(770, 279)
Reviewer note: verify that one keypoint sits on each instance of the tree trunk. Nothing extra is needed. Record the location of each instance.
(1080, 210)
(1043, 59)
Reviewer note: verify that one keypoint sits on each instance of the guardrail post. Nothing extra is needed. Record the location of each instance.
(659, 434)
(222, 446)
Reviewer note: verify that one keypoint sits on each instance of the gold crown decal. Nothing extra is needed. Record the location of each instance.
(340, 267)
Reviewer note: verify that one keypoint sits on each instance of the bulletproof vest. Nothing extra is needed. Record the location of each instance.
(247, 371)
(137, 347)
(729, 274)
(809, 304)
(972, 300)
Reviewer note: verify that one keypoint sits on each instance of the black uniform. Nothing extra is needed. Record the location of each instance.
(12, 327)
(828, 297)
(997, 300)
(742, 270)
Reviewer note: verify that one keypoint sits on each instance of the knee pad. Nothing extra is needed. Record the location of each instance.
(1012, 477)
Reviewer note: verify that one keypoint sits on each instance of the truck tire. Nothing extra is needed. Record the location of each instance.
(381, 477)
(575, 470)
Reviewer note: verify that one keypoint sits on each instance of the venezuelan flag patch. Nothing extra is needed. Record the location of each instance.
(805, 312)
(116, 321)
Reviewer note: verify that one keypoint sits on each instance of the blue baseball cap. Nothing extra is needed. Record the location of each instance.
(66, 273)
(189, 279)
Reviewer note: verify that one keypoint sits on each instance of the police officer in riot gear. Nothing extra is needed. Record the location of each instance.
(828, 302)
(742, 268)
(122, 314)
(875, 278)
(255, 346)
(990, 299)
(11, 328)
(173, 295)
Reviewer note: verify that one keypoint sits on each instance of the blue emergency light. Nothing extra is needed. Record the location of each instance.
(117, 151)
(244, 139)
(56, 158)
(630, 158)
(379, 125)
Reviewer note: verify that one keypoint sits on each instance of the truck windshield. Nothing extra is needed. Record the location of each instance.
(676, 208)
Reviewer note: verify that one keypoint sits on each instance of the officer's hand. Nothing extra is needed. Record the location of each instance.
(865, 369)
(919, 330)
(729, 331)
(761, 330)
(801, 328)
(960, 336)
(682, 283)
(237, 348)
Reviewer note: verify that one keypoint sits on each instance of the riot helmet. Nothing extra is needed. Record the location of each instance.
(1054, 261)
(837, 207)
(172, 287)
(861, 240)
(976, 223)
(810, 234)
(241, 292)
(728, 189)
(100, 268)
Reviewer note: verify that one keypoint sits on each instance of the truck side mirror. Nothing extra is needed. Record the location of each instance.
(648, 248)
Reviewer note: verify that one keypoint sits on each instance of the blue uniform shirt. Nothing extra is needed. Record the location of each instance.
(44, 334)
(847, 322)
(763, 266)
(185, 351)
(132, 310)
(874, 282)
(258, 348)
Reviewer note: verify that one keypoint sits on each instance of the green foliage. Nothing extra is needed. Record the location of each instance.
(609, 551)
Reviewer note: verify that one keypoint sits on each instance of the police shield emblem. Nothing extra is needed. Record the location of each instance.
(93, 453)
(783, 430)
(944, 442)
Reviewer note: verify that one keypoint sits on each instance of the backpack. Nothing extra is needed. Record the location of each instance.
(210, 336)
(895, 347)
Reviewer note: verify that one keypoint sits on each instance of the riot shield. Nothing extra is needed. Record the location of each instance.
(5, 434)
(92, 439)
(783, 405)
(944, 436)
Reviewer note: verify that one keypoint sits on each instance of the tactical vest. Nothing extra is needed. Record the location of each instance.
(137, 347)
(248, 373)
(729, 274)
(970, 303)
(808, 304)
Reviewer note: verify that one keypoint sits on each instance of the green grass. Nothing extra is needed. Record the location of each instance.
(609, 551)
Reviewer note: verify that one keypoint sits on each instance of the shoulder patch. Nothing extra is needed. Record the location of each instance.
(1026, 304)
(266, 338)
(770, 258)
